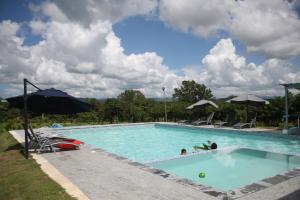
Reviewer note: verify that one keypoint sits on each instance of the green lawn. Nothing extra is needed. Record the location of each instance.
(23, 179)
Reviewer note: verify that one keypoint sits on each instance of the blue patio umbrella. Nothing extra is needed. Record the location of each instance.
(50, 101)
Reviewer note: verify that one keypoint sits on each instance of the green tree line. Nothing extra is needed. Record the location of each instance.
(133, 106)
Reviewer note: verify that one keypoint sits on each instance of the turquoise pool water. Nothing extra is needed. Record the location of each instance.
(226, 171)
(144, 143)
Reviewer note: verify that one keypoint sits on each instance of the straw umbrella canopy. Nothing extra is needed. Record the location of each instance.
(202, 102)
(248, 99)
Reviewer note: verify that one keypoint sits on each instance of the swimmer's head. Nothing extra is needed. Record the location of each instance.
(213, 146)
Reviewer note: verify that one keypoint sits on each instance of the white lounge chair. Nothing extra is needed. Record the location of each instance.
(208, 121)
(183, 121)
(229, 120)
(251, 124)
(220, 123)
(40, 143)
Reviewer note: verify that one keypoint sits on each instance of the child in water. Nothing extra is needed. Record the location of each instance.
(183, 152)
(209, 146)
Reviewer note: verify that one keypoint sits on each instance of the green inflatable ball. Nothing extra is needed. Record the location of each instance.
(201, 175)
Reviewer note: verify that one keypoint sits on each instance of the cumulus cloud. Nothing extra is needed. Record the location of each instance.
(200, 17)
(226, 72)
(88, 12)
(13, 56)
(80, 53)
(268, 26)
(84, 59)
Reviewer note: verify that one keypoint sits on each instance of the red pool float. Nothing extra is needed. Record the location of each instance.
(70, 144)
(77, 142)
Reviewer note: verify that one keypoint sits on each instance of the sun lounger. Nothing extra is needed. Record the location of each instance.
(48, 133)
(182, 121)
(229, 120)
(220, 124)
(246, 125)
(208, 121)
(40, 143)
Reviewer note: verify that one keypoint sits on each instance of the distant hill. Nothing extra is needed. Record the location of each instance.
(168, 99)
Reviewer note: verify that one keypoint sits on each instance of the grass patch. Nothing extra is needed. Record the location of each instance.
(24, 179)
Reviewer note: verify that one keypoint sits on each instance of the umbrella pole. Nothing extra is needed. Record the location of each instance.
(25, 120)
(26, 115)
(247, 113)
(286, 124)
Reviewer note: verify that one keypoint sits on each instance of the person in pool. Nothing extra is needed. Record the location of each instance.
(209, 146)
(183, 152)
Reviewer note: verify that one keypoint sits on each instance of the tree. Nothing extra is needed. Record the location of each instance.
(133, 103)
(177, 110)
(191, 92)
(112, 109)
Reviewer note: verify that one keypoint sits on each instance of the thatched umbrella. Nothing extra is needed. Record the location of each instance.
(248, 99)
(202, 102)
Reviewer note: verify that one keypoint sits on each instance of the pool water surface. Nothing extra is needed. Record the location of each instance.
(145, 143)
(251, 158)
(226, 171)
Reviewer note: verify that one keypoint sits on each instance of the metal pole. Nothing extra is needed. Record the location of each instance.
(166, 116)
(25, 120)
(286, 125)
(247, 112)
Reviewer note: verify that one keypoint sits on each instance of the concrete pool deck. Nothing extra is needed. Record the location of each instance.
(97, 174)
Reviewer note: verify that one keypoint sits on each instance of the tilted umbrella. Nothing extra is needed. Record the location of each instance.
(50, 101)
(248, 99)
(202, 102)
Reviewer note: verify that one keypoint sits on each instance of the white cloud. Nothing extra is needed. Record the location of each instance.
(90, 11)
(201, 17)
(268, 26)
(227, 73)
(13, 56)
(82, 55)
(86, 60)
(51, 10)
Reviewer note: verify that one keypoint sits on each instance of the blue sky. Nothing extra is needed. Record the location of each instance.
(151, 44)
(141, 34)
(15, 10)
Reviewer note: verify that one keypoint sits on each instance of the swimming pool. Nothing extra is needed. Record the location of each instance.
(229, 170)
(154, 142)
